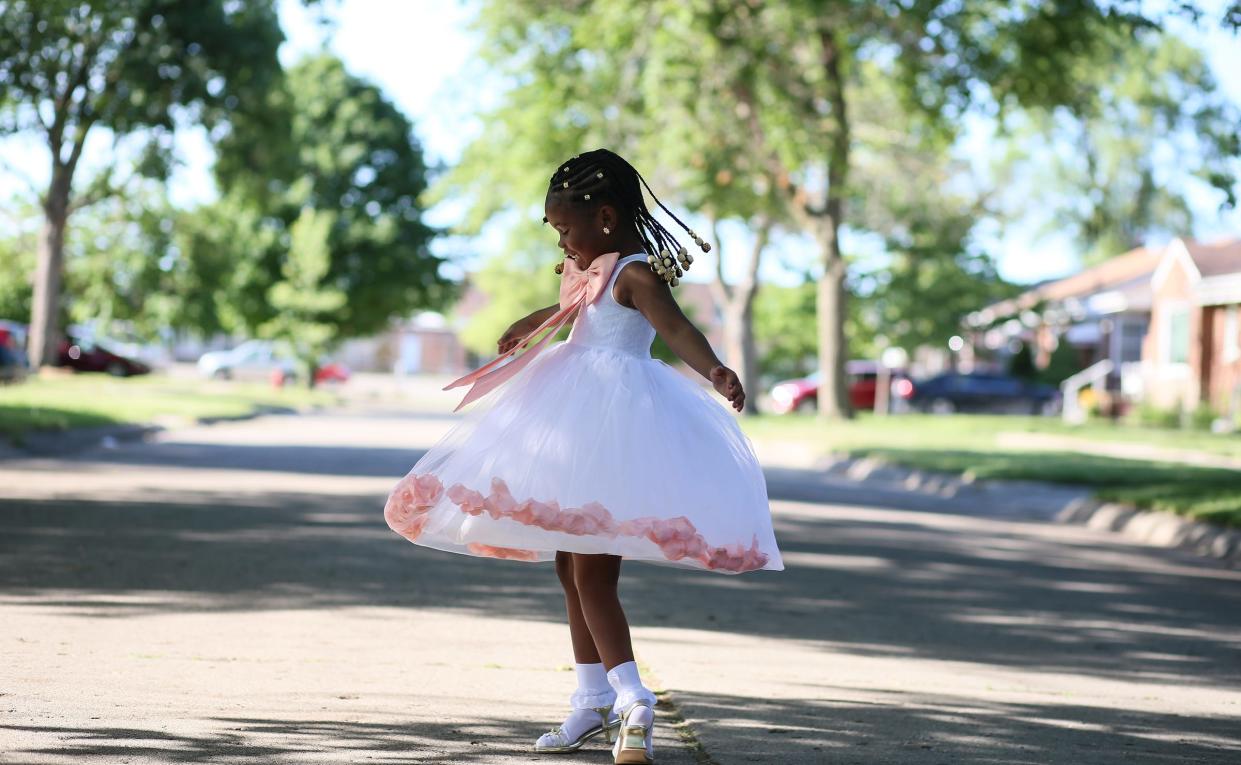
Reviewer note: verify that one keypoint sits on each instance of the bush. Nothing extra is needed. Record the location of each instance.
(1158, 417)
(1202, 417)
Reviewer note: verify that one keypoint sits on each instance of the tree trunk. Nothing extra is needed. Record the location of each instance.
(833, 349)
(831, 309)
(45, 328)
(736, 304)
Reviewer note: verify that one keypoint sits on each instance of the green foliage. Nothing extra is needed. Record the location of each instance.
(1202, 417)
(516, 284)
(17, 261)
(784, 330)
(303, 302)
(1157, 105)
(1158, 417)
(347, 156)
(131, 64)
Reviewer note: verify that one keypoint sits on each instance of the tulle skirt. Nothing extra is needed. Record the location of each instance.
(593, 450)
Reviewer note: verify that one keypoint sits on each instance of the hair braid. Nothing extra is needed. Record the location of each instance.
(604, 177)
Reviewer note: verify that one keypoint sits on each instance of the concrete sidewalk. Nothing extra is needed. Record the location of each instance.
(231, 595)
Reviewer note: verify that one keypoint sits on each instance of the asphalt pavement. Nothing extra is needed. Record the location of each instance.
(231, 594)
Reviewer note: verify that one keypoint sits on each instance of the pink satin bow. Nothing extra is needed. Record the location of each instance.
(578, 288)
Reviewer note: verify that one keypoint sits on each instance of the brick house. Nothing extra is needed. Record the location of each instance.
(1165, 316)
(1192, 353)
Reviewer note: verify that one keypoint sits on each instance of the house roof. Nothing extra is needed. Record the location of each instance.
(1123, 279)
(1122, 271)
(1216, 258)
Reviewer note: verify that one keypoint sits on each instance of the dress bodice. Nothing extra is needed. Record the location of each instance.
(608, 324)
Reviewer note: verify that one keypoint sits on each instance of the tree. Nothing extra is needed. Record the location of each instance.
(129, 67)
(303, 302)
(346, 169)
(1158, 121)
(778, 87)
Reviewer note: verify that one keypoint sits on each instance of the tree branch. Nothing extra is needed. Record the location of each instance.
(720, 291)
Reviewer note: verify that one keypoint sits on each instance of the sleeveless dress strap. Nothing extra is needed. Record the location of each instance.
(616, 269)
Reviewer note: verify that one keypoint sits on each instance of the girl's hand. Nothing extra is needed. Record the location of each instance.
(516, 331)
(726, 383)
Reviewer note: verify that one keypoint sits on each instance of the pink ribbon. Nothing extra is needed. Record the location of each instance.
(578, 288)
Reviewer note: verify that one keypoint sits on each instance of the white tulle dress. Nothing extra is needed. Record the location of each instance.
(594, 447)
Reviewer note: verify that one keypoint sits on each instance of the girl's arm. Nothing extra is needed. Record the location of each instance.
(652, 296)
(524, 326)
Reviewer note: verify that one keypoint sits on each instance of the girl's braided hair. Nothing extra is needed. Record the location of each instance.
(604, 177)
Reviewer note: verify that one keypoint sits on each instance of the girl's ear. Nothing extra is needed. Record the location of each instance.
(607, 217)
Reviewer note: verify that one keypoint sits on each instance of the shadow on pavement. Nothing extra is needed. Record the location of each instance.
(915, 730)
(242, 739)
(868, 581)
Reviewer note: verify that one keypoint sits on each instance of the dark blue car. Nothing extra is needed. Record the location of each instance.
(978, 392)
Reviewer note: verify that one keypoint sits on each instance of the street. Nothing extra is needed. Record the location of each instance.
(231, 594)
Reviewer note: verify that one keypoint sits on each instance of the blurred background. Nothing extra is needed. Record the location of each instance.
(978, 207)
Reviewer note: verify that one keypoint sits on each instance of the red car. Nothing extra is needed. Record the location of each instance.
(862, 376)
(87, 356)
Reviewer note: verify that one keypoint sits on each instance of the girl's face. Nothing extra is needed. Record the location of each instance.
(581, 230)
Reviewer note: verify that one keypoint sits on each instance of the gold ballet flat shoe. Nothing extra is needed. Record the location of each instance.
(561, 744)
(631, 748)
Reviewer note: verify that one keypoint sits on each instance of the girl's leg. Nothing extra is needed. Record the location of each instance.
(595, 579)
(592, 701)
(584, 650)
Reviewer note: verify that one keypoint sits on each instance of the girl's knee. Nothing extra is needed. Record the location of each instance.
(596, 573)
(564, 569)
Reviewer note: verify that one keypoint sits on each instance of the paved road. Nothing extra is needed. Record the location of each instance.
(231, 595)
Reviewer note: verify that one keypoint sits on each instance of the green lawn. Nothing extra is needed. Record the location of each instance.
(970, 444)
(81, 400)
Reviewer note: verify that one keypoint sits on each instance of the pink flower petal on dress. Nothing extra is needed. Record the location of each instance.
(510, 553)
(470, 501)
(499, 503)
(409, 502)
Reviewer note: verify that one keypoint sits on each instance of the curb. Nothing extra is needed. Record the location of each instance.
(73, 440)
(1061, 503)
(1157, 528)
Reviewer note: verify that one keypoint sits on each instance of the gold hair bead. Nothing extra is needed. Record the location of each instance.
(675, 281)
(598, 175)
(566, 184)
(560, 267)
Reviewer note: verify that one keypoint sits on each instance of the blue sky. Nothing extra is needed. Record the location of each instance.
(420, 53)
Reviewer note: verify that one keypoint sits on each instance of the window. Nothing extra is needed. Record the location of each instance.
(1177, 338)
(1232, 335)
(1132, 333)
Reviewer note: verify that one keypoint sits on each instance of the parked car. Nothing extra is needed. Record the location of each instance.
(803, 394)
(90, 356)
(979, 392)
(264, 360)
(12, 369)
(332, 372)
(13, 337)
(252, 360)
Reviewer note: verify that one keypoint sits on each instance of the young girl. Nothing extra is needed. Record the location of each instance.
(594, 452)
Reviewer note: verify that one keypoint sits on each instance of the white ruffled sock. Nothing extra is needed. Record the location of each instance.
(629, 688)
(593, 691)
